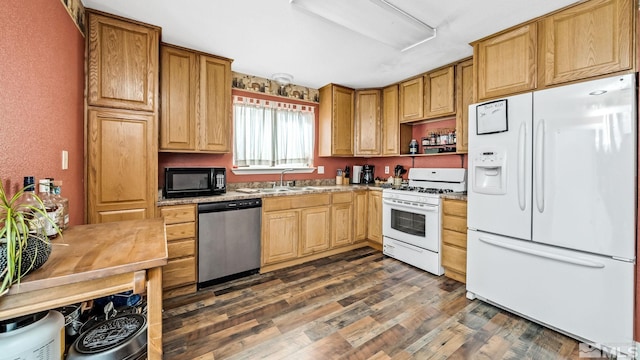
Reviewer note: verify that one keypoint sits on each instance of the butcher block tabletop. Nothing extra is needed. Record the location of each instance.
(90, 252)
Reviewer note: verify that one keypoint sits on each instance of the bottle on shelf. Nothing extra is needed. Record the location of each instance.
(50, 207)
(63, 203)
(30, 203)
(413, 146)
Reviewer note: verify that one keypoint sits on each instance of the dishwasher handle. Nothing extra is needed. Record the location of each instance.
(229, 205)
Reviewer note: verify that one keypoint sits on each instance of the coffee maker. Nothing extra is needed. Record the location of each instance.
(367, 174)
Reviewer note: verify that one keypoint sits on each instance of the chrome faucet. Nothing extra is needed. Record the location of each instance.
(282, 176)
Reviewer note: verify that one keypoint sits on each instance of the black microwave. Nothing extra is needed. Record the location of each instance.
(195, 181)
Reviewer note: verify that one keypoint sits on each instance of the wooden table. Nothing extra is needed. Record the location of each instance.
(92, 261)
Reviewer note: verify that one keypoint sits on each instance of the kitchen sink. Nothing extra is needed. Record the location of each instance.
(275, 190)
(278, 189)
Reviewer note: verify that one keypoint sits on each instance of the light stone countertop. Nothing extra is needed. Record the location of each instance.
(455, 196)
(234, 195)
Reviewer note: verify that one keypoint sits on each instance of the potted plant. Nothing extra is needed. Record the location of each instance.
(24, 245)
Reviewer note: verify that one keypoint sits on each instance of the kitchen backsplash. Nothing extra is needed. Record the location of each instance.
(270, 87)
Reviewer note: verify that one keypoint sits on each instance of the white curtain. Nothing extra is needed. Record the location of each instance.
(268, 133)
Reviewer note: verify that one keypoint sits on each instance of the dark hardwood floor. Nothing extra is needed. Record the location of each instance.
(356, 305)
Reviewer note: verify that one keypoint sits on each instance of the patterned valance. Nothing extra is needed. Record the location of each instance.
(241, 99)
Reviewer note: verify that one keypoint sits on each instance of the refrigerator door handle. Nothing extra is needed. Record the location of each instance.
(543, 254)
(522, 139)
(538, 169)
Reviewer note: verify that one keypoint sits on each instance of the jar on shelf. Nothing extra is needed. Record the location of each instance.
(413, 146)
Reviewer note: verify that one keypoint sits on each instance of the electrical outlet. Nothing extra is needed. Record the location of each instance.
(65, 159)
(386, 169)
(320, 169)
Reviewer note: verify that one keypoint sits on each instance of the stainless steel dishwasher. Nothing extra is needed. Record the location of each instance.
(228, 240)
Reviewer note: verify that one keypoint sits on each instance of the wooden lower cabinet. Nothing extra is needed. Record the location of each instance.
(374, 216)
(179, 276)
(300, 228)
(454, 239)
(314, 230)
(360, 215)
(280, 232)
(341, 219)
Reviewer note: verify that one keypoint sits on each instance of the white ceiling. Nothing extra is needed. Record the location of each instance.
(265, 37)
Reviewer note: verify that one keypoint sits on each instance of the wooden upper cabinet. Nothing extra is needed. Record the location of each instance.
(215, 105)
(196, 101)
(464, 98)
(506, 63)
(367, 122)
(179, 75)
(412, 100)
(122, 63)
(439, 93)
(336, 121)
(589, 39)
(122, 163)
(390, 123)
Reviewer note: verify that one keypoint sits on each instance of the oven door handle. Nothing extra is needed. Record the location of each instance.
(429, 208)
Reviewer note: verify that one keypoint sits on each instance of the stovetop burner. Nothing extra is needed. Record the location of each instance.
(425, 190)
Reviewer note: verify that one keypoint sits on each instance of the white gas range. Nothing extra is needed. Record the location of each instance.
(411, 217)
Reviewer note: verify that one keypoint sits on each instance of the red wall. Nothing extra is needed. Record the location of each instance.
(42, 97)
(330, 164)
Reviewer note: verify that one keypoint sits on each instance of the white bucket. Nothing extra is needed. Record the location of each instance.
(42, 339)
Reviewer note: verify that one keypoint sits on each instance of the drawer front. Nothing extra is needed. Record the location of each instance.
(310, 200)
(454, 258)
(179, 291)
(181, 248)
(178, 214)
(454, 207)
(295, 202)
(454, 238)
(181, 231)
(342, 197)
(454, 223)
(179, 272)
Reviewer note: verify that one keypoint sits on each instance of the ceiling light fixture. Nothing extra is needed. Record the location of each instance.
(377, 19)
(282, 79)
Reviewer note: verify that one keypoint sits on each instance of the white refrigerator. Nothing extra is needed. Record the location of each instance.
(552, 207)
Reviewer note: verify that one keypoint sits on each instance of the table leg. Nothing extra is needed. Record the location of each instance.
(154, 313)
